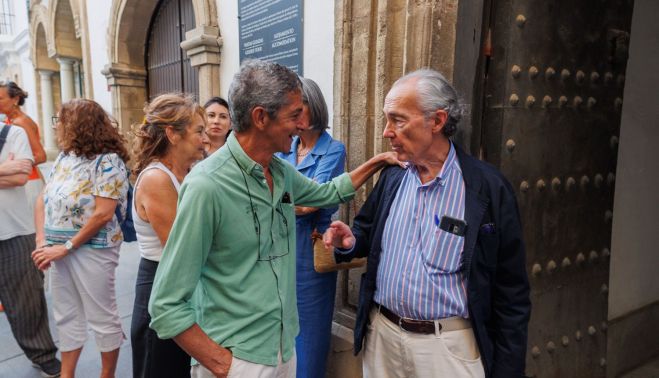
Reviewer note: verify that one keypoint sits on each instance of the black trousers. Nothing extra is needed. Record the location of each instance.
(152, 357)
(21, 293)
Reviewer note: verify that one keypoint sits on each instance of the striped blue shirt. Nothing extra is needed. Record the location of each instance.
(420, 274)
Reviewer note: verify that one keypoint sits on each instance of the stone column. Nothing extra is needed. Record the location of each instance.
(47, 110)
(128, 88)
(202, 45)
(66, 78)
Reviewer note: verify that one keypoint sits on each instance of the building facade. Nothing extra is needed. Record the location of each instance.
(545, 85)
(100, 50)
(15, 63)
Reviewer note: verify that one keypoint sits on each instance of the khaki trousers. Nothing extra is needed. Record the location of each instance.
(245, 369)
(393, 352)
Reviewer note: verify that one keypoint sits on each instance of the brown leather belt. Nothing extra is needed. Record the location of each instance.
(425, 326)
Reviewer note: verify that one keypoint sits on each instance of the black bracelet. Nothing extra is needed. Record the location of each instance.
(46, 245)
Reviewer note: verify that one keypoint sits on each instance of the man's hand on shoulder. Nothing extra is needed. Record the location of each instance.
(339, 235)
(390, 158)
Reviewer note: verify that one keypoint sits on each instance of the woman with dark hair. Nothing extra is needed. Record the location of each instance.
(12, 97)
(219, 123)
(316, 155)
(78, 234)
(168, 142)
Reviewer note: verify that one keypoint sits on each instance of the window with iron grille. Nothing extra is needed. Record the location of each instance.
(6, 17)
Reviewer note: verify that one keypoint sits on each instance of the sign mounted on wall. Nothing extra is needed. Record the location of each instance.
(271, 30)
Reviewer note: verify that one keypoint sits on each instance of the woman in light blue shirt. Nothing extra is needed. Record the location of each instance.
(316, 155)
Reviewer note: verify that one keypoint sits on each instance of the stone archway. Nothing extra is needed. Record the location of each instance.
(66, 46)
(46, 74)
(64, 31)
(127, 34)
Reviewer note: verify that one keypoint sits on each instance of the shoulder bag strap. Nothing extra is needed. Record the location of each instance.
(3, 136)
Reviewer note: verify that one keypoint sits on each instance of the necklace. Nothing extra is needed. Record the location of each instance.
(305, 153)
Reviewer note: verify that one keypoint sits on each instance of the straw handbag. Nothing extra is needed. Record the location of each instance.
(323, 258)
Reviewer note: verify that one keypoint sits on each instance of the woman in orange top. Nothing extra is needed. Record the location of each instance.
(12, 97)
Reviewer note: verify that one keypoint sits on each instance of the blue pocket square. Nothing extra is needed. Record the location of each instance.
(488, 228)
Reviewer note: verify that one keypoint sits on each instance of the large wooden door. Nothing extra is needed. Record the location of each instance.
(554, 78)
(168, 66)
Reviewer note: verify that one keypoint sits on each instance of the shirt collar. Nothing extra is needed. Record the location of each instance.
(449, 164)
(322, 144)
(244, 162)
(320, 148)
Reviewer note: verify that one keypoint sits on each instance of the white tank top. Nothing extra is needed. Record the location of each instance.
(147, 239)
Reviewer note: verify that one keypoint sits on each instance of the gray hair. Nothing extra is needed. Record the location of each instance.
(259, 83)
(313, 98)
(434, 92)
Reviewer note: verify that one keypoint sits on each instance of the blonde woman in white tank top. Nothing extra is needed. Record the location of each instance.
(149, 242)
(169, 142)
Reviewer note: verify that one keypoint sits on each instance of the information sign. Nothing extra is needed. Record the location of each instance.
(271, 30)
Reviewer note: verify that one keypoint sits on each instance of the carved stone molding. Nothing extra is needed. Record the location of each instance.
(203, 45)
(122, 75)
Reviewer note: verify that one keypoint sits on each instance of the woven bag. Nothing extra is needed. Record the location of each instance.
(323, 258)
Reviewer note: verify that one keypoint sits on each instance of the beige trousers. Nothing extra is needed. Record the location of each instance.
(393, 352)
(83, 288)
(245, 369)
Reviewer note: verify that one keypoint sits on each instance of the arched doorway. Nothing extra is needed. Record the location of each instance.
(128, 35)
(168, 66)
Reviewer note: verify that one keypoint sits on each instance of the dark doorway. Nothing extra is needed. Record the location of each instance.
(553, 80)
(168, 66)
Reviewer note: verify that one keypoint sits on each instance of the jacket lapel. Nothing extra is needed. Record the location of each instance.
(382, 213)
(389, 195)
(475, 205)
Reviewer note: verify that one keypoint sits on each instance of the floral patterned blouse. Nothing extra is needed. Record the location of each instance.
(69, 197)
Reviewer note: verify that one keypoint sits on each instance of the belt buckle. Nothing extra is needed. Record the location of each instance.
(402, 323)
(405, 324)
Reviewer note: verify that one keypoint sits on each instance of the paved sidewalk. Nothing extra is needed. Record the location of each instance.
(13, 363)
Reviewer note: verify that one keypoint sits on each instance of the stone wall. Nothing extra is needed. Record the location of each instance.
(376, 42)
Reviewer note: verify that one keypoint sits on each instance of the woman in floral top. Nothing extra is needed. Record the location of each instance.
(78, 234)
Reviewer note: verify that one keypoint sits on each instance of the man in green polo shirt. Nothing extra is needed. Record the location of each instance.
(232, 244)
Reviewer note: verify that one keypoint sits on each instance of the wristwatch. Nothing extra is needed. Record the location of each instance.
(68, 245)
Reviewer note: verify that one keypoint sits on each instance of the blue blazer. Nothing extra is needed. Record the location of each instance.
(493, 260)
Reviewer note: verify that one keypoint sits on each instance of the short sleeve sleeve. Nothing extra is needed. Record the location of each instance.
(19, 145)
(111, 180)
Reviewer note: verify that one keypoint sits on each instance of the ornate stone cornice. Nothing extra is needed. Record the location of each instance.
(45, 72)
(122, 75)
(202, 45)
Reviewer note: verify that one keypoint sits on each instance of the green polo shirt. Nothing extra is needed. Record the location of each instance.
(233, 241)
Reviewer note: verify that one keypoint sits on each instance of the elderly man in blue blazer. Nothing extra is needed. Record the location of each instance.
(445, 292)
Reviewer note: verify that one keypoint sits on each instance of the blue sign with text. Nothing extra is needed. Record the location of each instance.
(271, 30)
